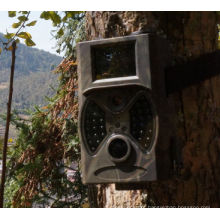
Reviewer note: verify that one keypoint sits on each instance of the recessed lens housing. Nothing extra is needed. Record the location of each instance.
(119, 149)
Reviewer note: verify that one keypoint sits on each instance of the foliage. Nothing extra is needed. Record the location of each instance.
(32, 82)
(46, 147)
(69, 29)
(22, 22)
(30, 91)
(70, 33)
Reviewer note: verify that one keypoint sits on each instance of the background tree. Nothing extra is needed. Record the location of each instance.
(197, 109)
(47, 144)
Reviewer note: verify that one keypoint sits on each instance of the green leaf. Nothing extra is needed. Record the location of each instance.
(45, 15)
(16, 25)
(17, 41)
(55, 18)
(10, 48)
(24, 35)
(29, 42)
(71, 14)
(31, 23)
(9, 35)
(60, 32)
(0, 50)
(52, 15)
(24, 12)
(22, 18)
(12, 14)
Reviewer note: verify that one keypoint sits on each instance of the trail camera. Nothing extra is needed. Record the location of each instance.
(122, 108)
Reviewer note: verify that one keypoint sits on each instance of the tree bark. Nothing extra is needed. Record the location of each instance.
(197, 109)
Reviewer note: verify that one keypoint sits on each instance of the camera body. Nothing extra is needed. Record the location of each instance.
(123, 109)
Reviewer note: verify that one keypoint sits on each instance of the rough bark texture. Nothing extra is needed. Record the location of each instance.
(197, 109)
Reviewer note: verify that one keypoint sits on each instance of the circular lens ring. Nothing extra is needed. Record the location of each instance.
(124, 150)
(118, 148)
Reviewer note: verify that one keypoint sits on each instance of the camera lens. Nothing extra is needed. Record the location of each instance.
(118, 148)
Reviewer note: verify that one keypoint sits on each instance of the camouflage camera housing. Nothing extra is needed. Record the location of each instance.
(123, 109)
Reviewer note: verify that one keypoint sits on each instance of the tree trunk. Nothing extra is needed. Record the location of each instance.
(197, 109)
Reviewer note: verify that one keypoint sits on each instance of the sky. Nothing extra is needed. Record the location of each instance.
(41, 32)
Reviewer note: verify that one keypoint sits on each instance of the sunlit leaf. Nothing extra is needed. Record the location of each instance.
(31, 23)
(17, 41)
(60, 32)
(29, 42)
(12, 14)
(24, 35)
(52, 15)
(64, 19)
(56, 19)
(16, 25)
(45, 15)
(10, 140)
(10, 48)
(9, 35)
(69, 14)
(22, 18)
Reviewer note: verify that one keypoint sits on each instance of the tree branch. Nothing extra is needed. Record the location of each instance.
(7, 126)
(22, 25)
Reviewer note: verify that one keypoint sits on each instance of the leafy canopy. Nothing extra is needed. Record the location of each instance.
(62, 21)
(47, 144)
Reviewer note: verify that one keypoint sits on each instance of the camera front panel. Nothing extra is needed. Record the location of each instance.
(119, 129)
(123, 109)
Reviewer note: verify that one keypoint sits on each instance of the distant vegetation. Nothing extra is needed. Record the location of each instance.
(29, 91)
(28, 60)
(33, 77)
(46, 146)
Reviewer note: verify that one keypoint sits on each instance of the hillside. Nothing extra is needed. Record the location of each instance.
(29, 90)
(28, 60)
(32, 77)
